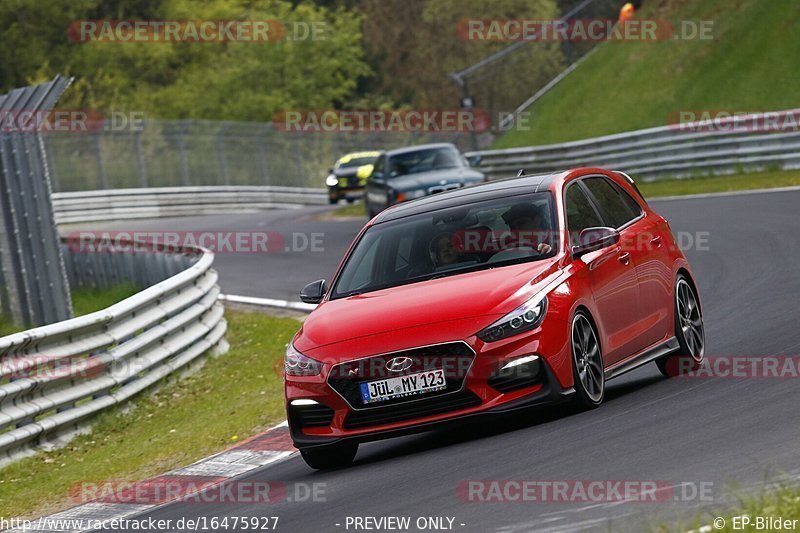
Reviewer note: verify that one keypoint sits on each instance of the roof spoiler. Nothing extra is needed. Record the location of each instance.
(630, 180)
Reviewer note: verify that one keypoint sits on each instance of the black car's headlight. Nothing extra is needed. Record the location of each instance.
(297, 364)
(524, 318)
(332, 180)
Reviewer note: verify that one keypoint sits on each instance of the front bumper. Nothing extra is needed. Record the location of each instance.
(346, 192)
(335, 419)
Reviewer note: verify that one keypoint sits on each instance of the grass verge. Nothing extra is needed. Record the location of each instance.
(230, 398)
(88, 300)
(712, 184)
(84, 301)
(630, 85)
(780, 505)
(354, 210)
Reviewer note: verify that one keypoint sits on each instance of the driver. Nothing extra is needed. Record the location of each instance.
(527, 222)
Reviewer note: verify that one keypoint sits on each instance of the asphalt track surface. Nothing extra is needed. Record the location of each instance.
(736, 434)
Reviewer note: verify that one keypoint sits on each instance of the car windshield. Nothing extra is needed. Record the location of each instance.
(356, 162)
(452, 241)
(424, 160)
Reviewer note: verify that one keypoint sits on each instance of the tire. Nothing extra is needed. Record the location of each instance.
(588, 369)
(689, 331)
(329, 457)
(350, 200)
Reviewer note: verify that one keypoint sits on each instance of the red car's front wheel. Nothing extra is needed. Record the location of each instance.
(587, 363)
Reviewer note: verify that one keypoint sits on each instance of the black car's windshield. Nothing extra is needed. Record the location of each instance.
(424, 160)
(356, 162)
(451, 241)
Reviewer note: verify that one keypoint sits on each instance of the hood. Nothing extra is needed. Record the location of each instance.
(487, 293)
(462, 175)
(345, 172)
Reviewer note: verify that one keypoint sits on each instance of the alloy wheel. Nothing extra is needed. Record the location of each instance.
(588, 360)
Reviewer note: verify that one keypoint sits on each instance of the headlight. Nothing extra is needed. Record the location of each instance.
(331, 180)
(408, 195)
(297, 364)
(524, 318)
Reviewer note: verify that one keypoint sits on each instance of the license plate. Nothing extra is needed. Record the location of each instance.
(410, 385)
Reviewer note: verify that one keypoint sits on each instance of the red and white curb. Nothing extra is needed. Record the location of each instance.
(269, 447)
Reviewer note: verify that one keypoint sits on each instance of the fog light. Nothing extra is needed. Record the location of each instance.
(304, 401)
(519, 373)
(519, 361)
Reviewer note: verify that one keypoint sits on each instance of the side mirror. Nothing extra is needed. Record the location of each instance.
(592, 239)
(474, 160)
(313, 292)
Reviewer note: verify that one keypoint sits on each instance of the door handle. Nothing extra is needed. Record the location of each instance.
(624, 258)
(656, 241)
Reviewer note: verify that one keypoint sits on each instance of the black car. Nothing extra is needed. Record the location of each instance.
(416, 171)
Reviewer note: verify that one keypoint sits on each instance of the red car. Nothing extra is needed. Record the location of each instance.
(487, 300)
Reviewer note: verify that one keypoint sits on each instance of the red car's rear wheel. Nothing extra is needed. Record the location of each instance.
(689, 331)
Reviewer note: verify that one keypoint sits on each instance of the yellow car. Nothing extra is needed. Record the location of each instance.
(349, 175)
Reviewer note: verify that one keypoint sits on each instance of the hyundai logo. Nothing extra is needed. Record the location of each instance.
(398, 364)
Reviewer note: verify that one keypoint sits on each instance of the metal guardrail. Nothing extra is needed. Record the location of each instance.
(55, 377)
(680, 150)
(87, 206)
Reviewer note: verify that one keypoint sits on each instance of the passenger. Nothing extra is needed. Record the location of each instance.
(443, 253)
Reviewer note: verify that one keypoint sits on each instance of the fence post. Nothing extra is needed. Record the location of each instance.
(262, 142)
(186, 174)
(102, 177)
(222, 161)
(140, 165)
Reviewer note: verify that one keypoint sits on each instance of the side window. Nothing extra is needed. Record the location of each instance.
(580, 212)
(617, 207)
(377, 171)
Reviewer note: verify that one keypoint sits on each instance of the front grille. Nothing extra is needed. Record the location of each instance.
(518, 377)
(309, 416)
(454, 358)
(413, 409)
